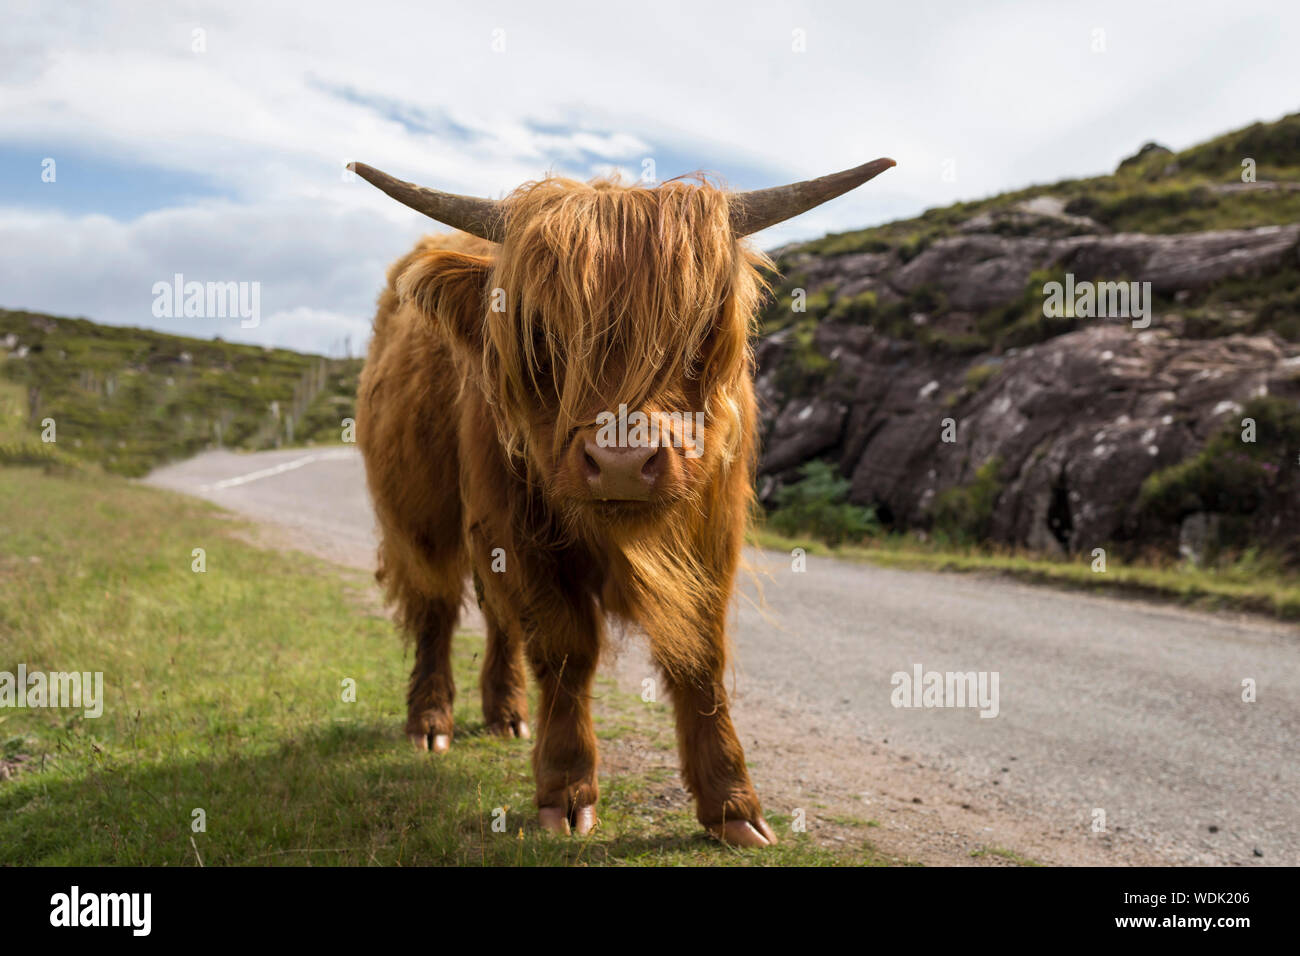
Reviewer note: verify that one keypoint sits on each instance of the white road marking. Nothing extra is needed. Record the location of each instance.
(331, 455)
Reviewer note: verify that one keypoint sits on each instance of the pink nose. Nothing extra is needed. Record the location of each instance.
(624, 473)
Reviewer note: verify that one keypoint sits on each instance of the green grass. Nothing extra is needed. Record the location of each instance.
(1005, 854)
(223, 693)
(130, 399)
(1157, 194)
(20, 445)
(1243, 585)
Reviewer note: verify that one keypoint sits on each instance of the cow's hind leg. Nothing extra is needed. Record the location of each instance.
(432, 690)
(505, 698)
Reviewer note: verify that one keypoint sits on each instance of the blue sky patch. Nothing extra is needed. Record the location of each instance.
(85, 183)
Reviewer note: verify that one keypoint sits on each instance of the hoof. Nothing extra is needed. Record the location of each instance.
(554, 819)
(582, 821)
(438, 743)
(744, 833)
(510, 729)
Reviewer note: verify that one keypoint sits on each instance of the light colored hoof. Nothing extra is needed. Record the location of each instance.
(421, 742)
(743, 833)
(584, 820)
(522, 731)
(557, 821)
(554, 819)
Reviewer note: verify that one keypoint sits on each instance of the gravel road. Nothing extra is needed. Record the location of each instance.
(1118, 706)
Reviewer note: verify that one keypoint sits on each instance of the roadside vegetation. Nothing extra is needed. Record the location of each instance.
(818, 505)
(225, 693)
(1249, 487)
(814, 514)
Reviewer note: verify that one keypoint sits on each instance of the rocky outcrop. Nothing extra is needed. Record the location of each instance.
(980, 270)
(1076, 423)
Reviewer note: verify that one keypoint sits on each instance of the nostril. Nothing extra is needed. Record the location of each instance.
(650, 469)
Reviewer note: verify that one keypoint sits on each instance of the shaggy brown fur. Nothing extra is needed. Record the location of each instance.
(487, 366)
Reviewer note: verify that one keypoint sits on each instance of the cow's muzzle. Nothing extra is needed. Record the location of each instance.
(624, 473)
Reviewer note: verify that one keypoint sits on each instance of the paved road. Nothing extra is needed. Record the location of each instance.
(1124, 706)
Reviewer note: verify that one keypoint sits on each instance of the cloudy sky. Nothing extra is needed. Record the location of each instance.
(208, 139)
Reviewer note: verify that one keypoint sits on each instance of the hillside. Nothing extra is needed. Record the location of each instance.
(130, 399)
(1067, 432)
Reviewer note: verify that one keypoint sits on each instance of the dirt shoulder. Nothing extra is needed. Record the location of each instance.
(914, 812)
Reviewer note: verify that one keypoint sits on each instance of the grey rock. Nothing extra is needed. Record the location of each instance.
(1078, 423)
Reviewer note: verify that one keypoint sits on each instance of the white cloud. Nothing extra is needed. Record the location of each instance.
(311, 260)
(282, 95)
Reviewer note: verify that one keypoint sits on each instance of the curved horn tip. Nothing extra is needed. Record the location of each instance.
(759, 209)
(878, 166)
(478, 217)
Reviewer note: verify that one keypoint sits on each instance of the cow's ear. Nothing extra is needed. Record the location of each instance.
(450, 288)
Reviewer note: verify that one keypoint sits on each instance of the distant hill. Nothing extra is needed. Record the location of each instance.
(130, 399)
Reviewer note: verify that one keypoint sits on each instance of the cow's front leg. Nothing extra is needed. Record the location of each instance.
(564, 756)
(713, 761)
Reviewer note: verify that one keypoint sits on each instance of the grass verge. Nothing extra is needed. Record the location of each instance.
(224, 693)
(1240, 587)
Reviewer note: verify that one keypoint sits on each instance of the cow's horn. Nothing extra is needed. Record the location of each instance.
(478, 217)
(760, 208)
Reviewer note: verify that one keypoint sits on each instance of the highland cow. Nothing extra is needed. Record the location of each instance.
(499, 355)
